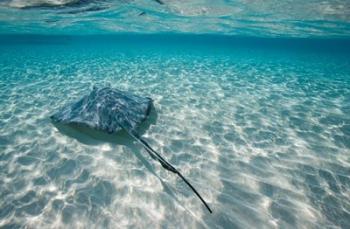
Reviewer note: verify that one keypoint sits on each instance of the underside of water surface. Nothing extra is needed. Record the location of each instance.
(251, 102)
(268, 18)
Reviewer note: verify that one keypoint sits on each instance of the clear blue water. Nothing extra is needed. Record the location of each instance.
(252, 104)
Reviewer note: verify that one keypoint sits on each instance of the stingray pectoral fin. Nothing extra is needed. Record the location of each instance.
(166, 165)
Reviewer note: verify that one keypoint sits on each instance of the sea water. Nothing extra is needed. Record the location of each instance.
(259, 125)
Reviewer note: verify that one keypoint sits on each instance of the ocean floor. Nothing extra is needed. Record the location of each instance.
(263, 133)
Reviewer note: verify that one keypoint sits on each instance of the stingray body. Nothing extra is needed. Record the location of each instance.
(106, 109)
(111, 110)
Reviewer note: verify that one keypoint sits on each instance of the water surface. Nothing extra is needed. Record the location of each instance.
(267, 18)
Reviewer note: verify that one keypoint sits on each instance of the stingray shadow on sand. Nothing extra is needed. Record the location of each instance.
(89, 136)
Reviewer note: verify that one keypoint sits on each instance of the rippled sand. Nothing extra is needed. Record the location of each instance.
(263, 136)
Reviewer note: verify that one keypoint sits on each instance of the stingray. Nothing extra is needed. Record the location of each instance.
(111, 110)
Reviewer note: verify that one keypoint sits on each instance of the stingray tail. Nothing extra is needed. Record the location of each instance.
(166, 165)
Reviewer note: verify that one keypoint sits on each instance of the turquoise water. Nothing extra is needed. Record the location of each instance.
(261, 127)
(267, 18)
(252, 104)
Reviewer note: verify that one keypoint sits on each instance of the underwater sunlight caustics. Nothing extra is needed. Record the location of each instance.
(175, 114)
(260, 127)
